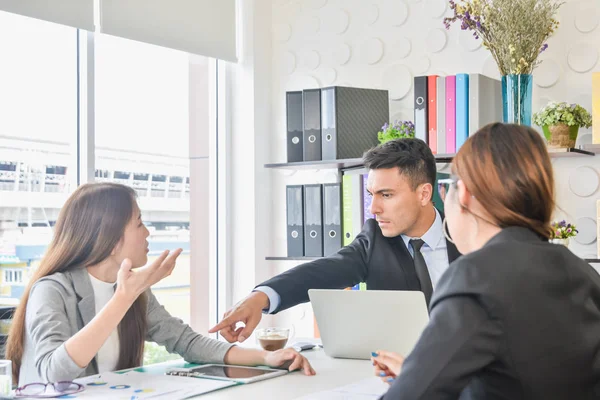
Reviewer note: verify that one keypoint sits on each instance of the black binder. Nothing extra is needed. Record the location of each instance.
(350, 120)
(312, 124)
(332, 218)
(293, 103)
(421, 117)
(313, 220)
(295, 220)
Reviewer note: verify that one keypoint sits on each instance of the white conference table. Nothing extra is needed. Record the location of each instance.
(331, 373)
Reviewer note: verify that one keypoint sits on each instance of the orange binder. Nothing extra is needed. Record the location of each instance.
(432, 111)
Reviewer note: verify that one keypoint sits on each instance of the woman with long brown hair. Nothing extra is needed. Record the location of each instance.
(88, 307)
(515, 317)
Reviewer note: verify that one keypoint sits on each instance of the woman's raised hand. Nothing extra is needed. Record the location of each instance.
(131, 282)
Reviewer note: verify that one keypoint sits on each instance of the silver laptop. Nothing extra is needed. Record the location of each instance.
(354, 323)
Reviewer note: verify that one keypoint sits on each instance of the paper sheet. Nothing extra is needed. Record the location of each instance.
(134, 385)
(367, 389)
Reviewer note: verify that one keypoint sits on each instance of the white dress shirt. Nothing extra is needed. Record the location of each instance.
(434, 252)
(434, 249)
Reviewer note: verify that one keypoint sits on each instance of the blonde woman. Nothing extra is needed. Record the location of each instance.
(88, 307)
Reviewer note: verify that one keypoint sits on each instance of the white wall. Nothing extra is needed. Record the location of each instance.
(383, 44)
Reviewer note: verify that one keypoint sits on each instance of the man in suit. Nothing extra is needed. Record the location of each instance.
(403, 248)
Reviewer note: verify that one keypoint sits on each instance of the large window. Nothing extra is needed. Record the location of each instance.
(138, 96)
(142, 139)
(38, 132)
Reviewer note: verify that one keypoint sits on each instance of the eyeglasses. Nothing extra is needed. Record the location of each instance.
(444, 186)
(40, 390)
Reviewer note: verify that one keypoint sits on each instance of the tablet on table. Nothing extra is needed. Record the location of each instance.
(228, 372)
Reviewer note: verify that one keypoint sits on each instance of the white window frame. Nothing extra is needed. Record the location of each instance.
(13, 273)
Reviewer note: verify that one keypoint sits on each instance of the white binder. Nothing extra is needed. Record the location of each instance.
(441, 115)
(485, 101)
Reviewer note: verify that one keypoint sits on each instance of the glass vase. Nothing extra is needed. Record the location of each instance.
(516, 98)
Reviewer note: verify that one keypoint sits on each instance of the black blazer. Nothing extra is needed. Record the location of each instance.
(383, 263)
(518, 319)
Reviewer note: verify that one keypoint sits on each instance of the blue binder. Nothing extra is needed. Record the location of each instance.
(462, 109)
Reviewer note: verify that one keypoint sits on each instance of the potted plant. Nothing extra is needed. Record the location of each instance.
(560, 123)
(562, 231)
(397, 130)
(516, 33)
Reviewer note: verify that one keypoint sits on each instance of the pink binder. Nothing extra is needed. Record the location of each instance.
(451, 114)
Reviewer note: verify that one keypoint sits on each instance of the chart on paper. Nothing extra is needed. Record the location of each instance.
(138, 386)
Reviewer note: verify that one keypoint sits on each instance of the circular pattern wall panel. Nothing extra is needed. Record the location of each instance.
(583, 181)
(289, 62)
(436, 40)
(329, 75)
(371, 51)
(584, 100)
(405, 114)
(398, 81)
(490, 68)
(587, 18)
(435, 8)
(283, 32)
(547, 74)
(587, 230)
(421, 64)
(300, 82)
(541, 102)
(402, 47)
(468, 42)
(316, 4)
(312, 60)
(396, 13)
(372, 13)
(294, 9)
(313, 24)
(340, 22)
(438, 72)
(582, 57)
(342, 54)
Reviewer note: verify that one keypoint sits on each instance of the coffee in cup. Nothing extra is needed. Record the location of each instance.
(272, 339)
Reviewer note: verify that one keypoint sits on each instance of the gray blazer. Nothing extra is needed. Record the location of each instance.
(61, 304)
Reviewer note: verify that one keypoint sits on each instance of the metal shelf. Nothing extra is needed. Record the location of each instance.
(570, 152)
(440, 158)
(324, 164)
(339, 164)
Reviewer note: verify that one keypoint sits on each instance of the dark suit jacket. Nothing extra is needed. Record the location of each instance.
(518, 319)
(383, 263)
